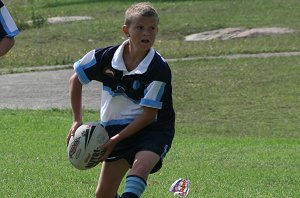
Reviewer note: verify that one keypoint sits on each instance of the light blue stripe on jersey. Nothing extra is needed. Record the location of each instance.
(8, 23)
(163, 155)
(80, 73)
(13, 34)
(161, 92)
(113, 94)
(86, 62)
(151, 103)
(117, 122)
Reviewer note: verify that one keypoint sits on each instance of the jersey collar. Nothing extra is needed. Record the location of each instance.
(118, 61)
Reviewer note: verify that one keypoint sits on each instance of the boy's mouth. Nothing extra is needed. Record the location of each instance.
(145, 41)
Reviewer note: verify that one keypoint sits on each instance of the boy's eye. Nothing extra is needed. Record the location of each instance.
(142, 28)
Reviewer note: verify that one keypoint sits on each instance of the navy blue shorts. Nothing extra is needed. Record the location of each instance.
(148, 139)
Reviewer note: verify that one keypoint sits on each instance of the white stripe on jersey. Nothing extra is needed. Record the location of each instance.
(118, 108)
(8, 22)
(153, 95)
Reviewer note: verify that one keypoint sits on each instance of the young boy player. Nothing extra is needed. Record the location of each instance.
(136, 104)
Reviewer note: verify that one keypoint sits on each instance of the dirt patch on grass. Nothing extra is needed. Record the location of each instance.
(231, 33)
(56, 20)
(39, 20)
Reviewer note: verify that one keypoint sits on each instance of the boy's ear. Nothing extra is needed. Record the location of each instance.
(126, 30)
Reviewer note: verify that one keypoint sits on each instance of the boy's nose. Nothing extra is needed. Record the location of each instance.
(147, 32)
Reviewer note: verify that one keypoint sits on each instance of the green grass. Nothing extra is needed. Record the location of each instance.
(64, 44)
(237, 135)
(34, 162)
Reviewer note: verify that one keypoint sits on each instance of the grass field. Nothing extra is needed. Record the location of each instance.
(237, 124)
(237, 136)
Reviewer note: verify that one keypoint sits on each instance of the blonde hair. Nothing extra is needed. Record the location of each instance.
(144, 9)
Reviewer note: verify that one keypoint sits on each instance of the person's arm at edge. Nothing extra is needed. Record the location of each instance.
(6, 44)
(75, 89)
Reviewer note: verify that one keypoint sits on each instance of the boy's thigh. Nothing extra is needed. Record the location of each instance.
(143, 163)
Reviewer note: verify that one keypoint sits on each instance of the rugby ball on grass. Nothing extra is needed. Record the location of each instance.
(84, 149)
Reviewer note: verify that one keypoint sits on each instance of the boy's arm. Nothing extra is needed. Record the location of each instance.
(75, 89)
(6, 44)
(143, 120)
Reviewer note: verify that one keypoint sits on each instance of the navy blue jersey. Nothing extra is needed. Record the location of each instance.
(125, 93)
(8, 27)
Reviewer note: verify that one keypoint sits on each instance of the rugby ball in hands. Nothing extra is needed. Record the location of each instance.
(85, 147)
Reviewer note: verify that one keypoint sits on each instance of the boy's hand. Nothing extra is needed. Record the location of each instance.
(72, 130)
(108, 147)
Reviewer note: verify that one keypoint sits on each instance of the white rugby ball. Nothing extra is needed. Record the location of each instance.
(84, 149)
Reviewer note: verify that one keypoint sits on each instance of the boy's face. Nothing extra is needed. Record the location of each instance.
(142, 32)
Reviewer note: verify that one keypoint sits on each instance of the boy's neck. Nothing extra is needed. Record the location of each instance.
(132, 57)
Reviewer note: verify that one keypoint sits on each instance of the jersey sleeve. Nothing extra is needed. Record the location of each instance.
(84, 64)
(8, 27)
(153, 95)
(90, 66)
(158, 89)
